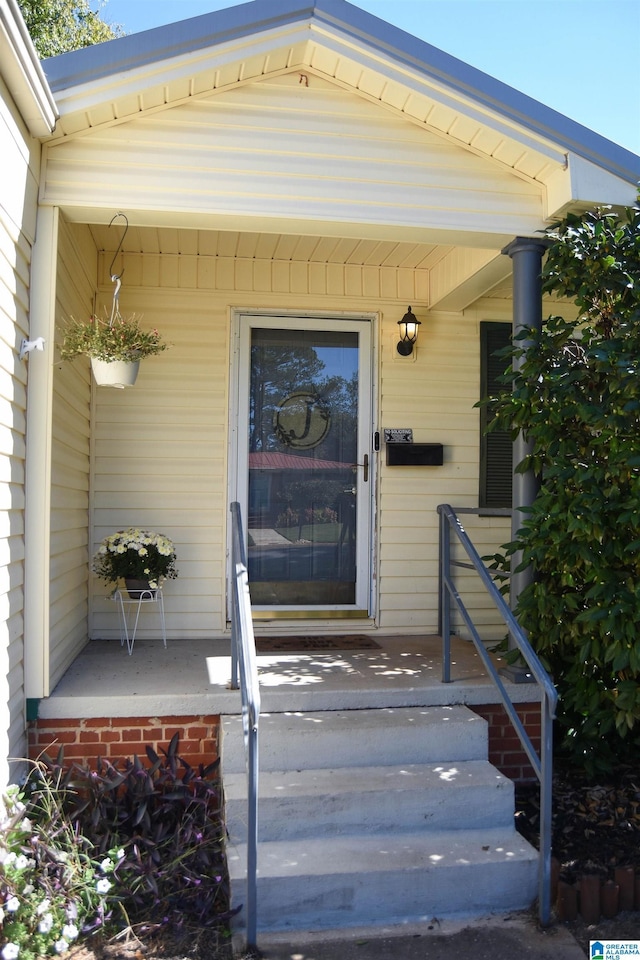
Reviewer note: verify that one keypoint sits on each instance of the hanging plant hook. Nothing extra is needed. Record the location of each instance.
(126, 227)
(116, 277)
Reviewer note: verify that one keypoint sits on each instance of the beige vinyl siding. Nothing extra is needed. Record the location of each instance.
(434, 395)
(160, 449)
(160, 457)
(280, 149)
(70, 468)
(18, 198)
(488, 534)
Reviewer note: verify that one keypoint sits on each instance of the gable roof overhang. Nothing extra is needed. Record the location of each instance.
(195, 60)
(122, 77)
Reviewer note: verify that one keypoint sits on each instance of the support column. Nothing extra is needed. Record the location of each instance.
(526, 255)
(38, 455)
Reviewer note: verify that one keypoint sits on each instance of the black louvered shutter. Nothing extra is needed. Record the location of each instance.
(496, 469)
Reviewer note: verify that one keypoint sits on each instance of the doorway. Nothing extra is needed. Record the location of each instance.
(304, 473)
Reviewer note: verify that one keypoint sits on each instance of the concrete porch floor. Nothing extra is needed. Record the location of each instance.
(192, 677)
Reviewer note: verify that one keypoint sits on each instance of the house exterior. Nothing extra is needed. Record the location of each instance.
(27, 113)
(294, 176)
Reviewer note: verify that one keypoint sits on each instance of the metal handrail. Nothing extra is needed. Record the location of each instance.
(542, 764)
(243, 656)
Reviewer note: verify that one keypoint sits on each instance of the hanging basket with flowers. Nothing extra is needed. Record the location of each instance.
(135, 554)
(114, 345)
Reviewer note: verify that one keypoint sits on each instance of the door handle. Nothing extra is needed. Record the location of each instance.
(365, 467)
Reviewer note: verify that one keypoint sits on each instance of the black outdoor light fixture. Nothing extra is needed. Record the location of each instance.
(408, 333)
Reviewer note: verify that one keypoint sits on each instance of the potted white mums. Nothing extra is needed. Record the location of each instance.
(142, 558)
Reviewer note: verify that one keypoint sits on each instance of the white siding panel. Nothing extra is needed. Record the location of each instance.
(20, 172)
(18, 197)
(276, 147)
(70, 469)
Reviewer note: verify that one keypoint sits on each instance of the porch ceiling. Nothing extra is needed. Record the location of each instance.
(456, 276)
(266, 246)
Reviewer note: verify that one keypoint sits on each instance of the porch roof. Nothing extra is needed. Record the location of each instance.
(153, 70)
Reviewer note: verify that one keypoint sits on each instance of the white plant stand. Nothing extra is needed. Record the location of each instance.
(130, 608)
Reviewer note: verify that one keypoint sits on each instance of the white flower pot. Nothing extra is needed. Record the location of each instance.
(115, 373)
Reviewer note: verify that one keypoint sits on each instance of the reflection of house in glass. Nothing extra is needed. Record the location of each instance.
(302, 521)
(277, 497)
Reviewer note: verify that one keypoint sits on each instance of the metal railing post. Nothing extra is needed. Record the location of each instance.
(542, 763)
(252, 840)
(444, 615)
(235, 642)
(546, 811)
(244, 652)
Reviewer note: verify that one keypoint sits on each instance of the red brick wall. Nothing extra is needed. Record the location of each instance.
(505, 750)
(118, 738)
(121, 737)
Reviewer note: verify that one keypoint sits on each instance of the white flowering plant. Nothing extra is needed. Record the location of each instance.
(136, 554)
(51, 887)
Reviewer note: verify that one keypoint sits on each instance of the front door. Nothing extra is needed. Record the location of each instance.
(304, 473)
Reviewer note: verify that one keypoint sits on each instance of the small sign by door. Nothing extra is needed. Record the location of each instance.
(398, 435)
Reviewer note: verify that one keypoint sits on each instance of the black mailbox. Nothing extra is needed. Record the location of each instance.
(415, 454)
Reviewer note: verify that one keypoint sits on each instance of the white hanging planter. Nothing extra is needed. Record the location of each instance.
(115, 373)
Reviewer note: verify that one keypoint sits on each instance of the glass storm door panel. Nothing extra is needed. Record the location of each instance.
(307, 493)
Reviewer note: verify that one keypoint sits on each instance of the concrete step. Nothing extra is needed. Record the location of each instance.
(372, 800)
(372, 880)
(358, 738)
(375, 817)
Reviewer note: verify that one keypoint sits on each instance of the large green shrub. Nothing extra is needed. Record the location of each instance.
(576, 396)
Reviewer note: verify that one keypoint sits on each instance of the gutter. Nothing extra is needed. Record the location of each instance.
(23, 73)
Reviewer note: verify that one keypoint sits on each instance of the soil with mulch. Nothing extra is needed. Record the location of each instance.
(595, 828)
(158, 944)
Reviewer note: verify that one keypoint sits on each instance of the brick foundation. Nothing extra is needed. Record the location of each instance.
(117, 738)
(505, 750)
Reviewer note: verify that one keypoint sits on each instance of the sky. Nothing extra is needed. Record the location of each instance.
(580, 57)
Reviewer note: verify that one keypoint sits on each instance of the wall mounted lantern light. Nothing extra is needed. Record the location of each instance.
(408, 333)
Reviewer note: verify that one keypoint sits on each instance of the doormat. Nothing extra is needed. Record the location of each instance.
(302, 644)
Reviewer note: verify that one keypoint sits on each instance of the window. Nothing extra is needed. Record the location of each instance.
(496, 468)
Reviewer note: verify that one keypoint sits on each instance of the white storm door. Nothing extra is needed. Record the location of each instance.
(304, 463)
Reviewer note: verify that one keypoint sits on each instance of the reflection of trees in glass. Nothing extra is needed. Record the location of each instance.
(276, 371)
(341, 397)
(280, 368)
